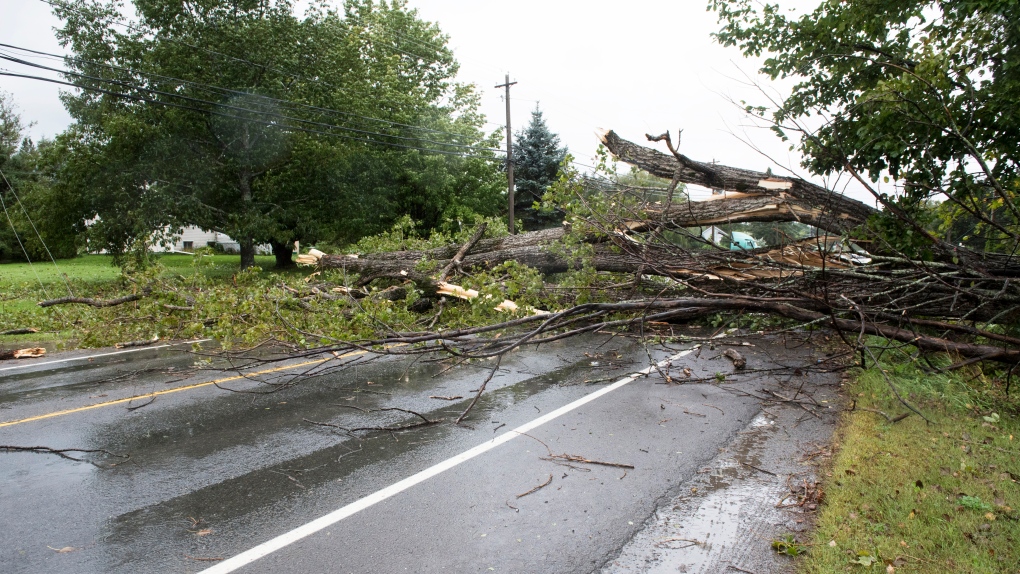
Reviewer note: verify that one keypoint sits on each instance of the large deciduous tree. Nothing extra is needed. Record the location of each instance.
(920, 92)
(242, 117)
(537, 159)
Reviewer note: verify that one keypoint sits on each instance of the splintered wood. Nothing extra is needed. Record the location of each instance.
(29, 353)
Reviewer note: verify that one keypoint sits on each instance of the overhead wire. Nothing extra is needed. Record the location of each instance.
(239, 108)
(24, 250)
(139, 98)
(134, 27)
(222, 90)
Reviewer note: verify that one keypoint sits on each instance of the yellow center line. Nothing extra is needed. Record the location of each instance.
(176, 389)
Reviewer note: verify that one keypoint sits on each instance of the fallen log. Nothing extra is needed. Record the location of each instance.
(97, 302)
(23, 331)
(796, 268)
(30, 353)
(812, 281)
(141, 343)
(795, 199)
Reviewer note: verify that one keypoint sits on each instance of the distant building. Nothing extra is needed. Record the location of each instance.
(192, 238)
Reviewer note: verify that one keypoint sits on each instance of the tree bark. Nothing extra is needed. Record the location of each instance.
(247, 246)
(822, 208)
(284, 253)
(246, 242)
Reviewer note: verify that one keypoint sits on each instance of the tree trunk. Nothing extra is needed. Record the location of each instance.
(246, 242)
(820, 207)
(284, 253)
(247, 252)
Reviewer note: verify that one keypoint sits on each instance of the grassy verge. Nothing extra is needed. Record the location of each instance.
(22, 286)
(911, 496)
(208, 297)
(97, 269)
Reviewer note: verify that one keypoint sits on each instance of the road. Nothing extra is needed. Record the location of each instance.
(243, 482)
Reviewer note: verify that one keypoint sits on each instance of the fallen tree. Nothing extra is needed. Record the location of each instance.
(757, 196)
(937, 305)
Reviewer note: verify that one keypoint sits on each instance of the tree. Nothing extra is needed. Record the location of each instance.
(10, 129)
(32, 225)
(10, 135)
(537, 159)
(916, 91)
(239, 116)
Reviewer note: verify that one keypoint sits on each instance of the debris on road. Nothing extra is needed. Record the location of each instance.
(29, 353)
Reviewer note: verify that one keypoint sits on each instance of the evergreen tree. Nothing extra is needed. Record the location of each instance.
(537, 158)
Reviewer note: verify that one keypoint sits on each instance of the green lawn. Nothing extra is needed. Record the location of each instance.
(22, 286)
(87, 268)
(100, 268)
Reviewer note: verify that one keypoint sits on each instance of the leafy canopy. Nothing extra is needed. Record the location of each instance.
(242, 117)
(33, 220)
(919, 91)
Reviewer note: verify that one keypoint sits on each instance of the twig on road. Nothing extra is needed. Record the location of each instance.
(62, 452)
(576, 458)
(425, 421)
(568, 458)
(537, 488)
(756, 468)
(145, 404)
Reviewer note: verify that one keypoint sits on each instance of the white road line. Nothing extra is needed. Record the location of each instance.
(87, 357)
(318, 524)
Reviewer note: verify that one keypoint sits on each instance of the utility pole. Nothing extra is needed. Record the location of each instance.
(509, 158)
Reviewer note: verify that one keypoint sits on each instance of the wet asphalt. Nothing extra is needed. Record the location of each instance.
(217, 466)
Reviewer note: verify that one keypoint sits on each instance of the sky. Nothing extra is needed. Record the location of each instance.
(590, 65)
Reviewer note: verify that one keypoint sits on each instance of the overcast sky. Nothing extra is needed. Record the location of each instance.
(640, 67)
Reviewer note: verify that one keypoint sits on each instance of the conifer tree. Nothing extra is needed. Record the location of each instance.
(537, 157)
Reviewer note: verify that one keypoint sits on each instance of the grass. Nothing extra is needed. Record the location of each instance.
(208, 297)
(94, 269)
(919, 497)
(87, 269)
(22, 286)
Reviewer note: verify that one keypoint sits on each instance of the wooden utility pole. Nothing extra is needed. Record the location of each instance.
(509, 159)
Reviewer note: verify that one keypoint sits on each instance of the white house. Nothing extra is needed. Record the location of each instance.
(192, 238)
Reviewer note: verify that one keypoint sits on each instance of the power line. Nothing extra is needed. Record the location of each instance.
(133, 27)
(37, 234)
(28, 258)
(234, 107)
(222, 90)
(264, 122)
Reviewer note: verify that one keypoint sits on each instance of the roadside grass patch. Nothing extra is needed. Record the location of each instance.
(84, 269)
(207, 296)
(22, 286)
(917, 497)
